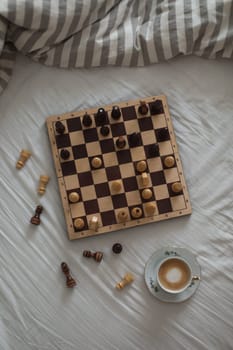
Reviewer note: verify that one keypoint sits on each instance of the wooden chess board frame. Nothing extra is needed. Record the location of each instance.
(180, 204)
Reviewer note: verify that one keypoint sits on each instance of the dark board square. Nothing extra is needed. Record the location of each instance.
(157, 178)
(150, 150)
(68, 168)
(99, 122)
(124, 156)
(85, 179)
(113, 173)
(145, 124)
(85, 224)
(162, 134)
(108, 218)
(129, 113)
(118, 129)
(130, 184)
(90, 135)
(102, 190)
(119, 201)
(135, 139)
(164, 206)
(107, 146)
(91, 207)
(74, 124)
(79, 151)
(156, 107)
(63, 141)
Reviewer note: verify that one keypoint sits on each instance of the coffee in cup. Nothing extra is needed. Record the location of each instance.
(174, 275)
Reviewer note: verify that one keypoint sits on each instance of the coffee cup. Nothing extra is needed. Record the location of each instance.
(174, 275)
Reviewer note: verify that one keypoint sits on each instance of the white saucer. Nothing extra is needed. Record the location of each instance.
(151, 272)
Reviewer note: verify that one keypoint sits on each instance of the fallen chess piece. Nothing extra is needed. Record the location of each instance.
(70, 282)
(127, 279)
(35, 220)
(97, 256)
(24, 156)
(44, 179)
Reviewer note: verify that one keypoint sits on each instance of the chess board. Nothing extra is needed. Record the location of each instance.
(94, 186)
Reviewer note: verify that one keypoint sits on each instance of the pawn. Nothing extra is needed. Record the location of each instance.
(74, 197)
(94, 223)
(70, 282)
(35, 220)
(44, 179)
(169, 161)
(120, 142)
(176, 187)
(136, 212)
(147, 194)
(122, 216)
(128, 278)
(24, 156)
(104, 130)
(163, 135)
(79, 223)
(150, 208)
(59, 127)
(96, 162)
(116, 113)
(87, 121)
(97, 256)
(134, 139)
(116, 186)
(141, 166)
(65, 154)
(143, 109)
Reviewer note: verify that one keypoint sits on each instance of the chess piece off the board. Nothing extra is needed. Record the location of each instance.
(117, 248)
(127, 279)
(97, 256)
(35, 220)
(24, 156)
(70, 281)
(44, 179)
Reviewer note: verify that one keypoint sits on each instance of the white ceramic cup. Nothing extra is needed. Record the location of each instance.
(174, 274)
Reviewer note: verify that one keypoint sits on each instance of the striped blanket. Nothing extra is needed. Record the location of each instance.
(88, 33)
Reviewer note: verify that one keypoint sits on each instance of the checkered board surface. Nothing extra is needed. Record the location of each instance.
(94, 185)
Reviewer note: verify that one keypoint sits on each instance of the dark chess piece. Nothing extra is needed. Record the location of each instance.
(154, 150)
(162, 134)
(87, 121)
(156, 107)
(120, 142)
(116, 112)
(104, 130)
(65, 154)
(117, 248)
(35, 220)
(60, 128)
(97, 256)
(134, 139)
(101, 117)
(143, 109)
(70, 282)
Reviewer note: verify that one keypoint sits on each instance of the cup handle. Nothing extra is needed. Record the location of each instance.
(196, 278)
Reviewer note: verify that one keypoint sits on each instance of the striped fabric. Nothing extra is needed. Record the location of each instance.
(90, 33)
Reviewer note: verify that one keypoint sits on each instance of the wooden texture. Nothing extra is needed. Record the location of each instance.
(156, 146)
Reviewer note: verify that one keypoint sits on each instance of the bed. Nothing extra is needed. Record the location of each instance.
(37, 310)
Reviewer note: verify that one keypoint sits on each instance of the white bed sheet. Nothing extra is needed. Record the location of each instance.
(37, 310)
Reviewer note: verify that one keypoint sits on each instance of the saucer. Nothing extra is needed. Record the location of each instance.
(151, 273)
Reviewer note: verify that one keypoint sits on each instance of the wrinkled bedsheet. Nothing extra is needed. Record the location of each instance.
(90, 33)
(37, 311)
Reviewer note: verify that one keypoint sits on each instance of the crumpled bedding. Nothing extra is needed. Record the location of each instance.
(90, 33)
(37, 311)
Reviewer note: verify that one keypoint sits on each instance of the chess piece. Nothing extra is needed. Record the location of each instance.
(162, 134)
(141, 166)
(143, 109)
(65, 154)
(144, 179)
(96, 162)
(101, 117)
(35, 220)
(127, 279)
(59, 127)
(117, 248)
(116, 186)
(136, 212)
(150, 208)
(176, 187)
(116, 113)
(94, 223)
(70, 282)
(24, 156)
(120, 142)
(97, 256)
(74, 197)
(79, 223)
(134, 139)
(169, 161)
(87, 121)
(44, 179)
(122, 215)
(147, 194)
(154, 150)
(156, 107)
(104, 130)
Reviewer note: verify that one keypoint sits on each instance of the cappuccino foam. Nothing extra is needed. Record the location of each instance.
(174, 274)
